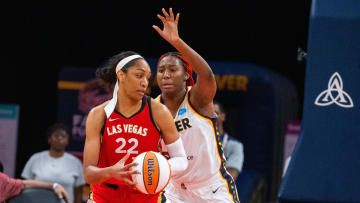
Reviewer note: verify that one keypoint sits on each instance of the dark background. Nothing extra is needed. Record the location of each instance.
(41, 37)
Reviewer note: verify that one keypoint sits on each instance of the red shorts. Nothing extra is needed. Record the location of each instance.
(105, 193)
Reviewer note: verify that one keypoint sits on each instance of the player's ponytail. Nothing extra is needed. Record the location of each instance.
(106, 74)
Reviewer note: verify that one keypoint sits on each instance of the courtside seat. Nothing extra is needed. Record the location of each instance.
(36, 196)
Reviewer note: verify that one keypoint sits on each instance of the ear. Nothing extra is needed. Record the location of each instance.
(120, 75)
(187, 76)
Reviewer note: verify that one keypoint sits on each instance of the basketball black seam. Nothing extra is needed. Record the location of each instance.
(157, 160)
(143, 172)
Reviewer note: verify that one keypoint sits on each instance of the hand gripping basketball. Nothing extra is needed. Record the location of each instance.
(122, 172)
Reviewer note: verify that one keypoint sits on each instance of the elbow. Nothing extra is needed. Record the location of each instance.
(178, 165)
(87, 179)
(87, 176)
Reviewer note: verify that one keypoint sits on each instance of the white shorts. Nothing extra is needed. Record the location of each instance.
(214, 190)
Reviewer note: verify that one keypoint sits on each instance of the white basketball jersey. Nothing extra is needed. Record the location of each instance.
(198, 134)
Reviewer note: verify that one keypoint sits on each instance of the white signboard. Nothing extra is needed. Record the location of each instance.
(9, 115)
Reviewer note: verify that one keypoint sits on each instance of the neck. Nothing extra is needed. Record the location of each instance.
(56, 153)
(173, 101)
(125, 104)
(221, 128)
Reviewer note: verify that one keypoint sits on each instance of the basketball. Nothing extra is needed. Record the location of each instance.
(154, 171)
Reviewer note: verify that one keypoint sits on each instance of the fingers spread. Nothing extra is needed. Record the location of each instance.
(127, 166)
(128, 182)
(177, 17)
(165, 13)
(157, 29)
(123, 160)
(163, 20)
(125, 173)
(171, 13)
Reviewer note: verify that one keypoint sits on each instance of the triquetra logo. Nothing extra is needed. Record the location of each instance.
(334, 94)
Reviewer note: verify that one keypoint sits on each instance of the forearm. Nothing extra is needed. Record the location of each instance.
(37, 184)
(94, 175)
(57, 188)
(178, 160)
(200, 66)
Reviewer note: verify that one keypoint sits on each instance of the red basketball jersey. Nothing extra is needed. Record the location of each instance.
(136, 134)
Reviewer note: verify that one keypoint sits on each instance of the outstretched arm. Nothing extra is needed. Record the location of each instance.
(204, 90)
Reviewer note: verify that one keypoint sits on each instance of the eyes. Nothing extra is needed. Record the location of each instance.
(171, 70)
(141, 75)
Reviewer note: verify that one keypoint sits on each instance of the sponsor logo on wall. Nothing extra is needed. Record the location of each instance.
(334, 94)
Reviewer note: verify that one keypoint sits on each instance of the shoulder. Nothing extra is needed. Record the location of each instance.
(73, 163)
(98, 112)
(39, 155)
(235, 142)
(157, 106)
(231, 138)
(235, 146)
(160, 114)
(72, 158)
(36, 159)
(99, 109)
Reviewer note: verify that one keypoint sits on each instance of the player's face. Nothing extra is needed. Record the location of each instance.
(137, 79)
(171, 75)
(58, 140)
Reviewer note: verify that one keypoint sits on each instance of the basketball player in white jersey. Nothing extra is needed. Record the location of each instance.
(205, 179)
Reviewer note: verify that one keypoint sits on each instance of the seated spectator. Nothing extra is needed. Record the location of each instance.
(233, 149)
(56, 165)
(10, 187)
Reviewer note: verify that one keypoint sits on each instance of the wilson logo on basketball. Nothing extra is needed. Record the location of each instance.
(154, 171)
(151, 172)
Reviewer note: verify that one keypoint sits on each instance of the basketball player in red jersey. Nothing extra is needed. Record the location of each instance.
(123, 127)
